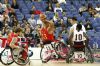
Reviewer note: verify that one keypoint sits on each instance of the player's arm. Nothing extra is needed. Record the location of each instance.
(12, 43)
(84, 30)
(70, 38)
(51, 27)
(70, 32)
(86, 36)
(87, 39)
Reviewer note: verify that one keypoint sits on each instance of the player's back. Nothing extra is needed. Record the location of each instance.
(78, 36)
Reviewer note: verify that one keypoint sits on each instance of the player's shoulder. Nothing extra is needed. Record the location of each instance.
(51, 22)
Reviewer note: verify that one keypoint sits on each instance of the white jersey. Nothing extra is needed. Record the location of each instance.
(78, 36)
(74, 29)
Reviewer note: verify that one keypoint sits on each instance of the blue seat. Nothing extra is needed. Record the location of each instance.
(81, 19)
(91, 33)
(95, 25)
(97, 34)
(20, 17)
(97, 20)
(98, 42)
(27, 16)
(97, 29)
(85, 14)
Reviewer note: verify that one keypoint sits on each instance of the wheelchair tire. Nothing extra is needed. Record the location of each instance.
(9, 58)
(41, 55)
(90, 56)
(17, 58)
(67, 60)
(59, 48)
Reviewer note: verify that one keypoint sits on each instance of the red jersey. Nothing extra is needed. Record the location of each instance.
(46, 36)
(10, 37)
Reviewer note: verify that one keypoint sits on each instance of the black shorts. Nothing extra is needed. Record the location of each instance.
(78, 46)
(47, 42)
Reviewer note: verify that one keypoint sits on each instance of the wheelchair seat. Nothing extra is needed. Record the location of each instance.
(79, 46)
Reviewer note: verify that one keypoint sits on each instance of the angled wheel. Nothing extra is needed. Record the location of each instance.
(42, 53)
(17, 57)
(6, 57)
(89, 56)
(61, 50)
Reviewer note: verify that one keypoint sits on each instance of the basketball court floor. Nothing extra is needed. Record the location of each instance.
(55, 63)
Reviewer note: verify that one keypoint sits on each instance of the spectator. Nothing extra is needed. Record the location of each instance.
(39, 23)
(90, 6)
(32, 22)
(6, 30)
(1, 8)
(82, 9)
(58, 21)
(6, 2)
(58, 8)
(64, 17)
(34, 11)
(14, 21)
(49, 7)
(27, 30)
(18, 25)
(14, 4)
(54, 1)
(92, 11)
(88, 25)
(24, 22)
(10, 11)
(5, 15)
(98, 7)
(61, 1)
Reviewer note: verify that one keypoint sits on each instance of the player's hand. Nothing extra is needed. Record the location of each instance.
(69, 46)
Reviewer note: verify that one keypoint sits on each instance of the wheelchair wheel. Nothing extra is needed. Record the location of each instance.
(69, 56)
(61, 50)
(17, 57)
(43, 52)
(89, 55)
(6, 57)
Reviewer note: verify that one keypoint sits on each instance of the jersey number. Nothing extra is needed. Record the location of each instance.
(78, 37)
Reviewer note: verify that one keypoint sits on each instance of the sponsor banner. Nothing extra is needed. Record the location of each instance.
(3, 41)
(34, 53)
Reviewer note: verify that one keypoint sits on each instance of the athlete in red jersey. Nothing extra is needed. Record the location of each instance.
(47, 30)
(12, 41)
(47, 35)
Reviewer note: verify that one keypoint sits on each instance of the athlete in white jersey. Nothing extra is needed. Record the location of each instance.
(77, 37)
(73, 22)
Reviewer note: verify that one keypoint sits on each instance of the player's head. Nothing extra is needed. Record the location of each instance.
(78, 27)
(72, 20)
(18, 31)
(42, 17)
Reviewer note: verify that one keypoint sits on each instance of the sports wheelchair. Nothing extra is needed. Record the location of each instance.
(9, 55)
(59, 51)
(79, 52)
